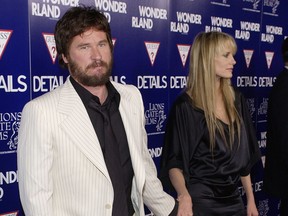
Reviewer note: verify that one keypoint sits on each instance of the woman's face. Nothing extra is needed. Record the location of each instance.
(224, 63)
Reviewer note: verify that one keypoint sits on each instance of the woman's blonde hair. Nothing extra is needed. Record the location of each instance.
(202, 80)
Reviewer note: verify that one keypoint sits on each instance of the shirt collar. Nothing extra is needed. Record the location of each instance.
(86, 96)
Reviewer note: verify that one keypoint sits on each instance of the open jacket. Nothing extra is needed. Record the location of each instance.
(61, 167)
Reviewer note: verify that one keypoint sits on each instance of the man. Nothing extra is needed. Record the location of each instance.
(276, 165)
(83, 147)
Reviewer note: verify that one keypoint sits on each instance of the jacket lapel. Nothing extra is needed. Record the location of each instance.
(129, 113)
(78, 127)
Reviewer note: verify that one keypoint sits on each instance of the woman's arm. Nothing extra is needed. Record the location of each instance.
(251, 206)
(183, 196)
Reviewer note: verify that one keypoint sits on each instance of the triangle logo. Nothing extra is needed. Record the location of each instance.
(152, 49)
(10, 214)
(269, 58)
(183, 52)
(4, 38)
(113, 41)
(51, 46)
(263, 160)
(248, 56)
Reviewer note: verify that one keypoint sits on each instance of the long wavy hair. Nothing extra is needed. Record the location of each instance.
(201, 85)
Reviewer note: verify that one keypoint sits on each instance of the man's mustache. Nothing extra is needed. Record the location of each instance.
(97, 64)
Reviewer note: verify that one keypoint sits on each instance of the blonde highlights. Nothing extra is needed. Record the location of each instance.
(201, 83)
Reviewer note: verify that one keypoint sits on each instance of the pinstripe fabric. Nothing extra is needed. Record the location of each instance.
(60, 163)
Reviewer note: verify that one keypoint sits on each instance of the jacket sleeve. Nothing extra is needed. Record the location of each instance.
(184, 130)
(152, 193)
(35, 161)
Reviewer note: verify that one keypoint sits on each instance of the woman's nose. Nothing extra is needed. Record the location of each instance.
(233, 60)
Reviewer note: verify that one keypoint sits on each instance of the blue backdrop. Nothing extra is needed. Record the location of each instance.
(152, 41)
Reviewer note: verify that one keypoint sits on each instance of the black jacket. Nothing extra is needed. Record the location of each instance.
(276, 164)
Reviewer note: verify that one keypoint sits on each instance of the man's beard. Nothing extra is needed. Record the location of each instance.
(94, 80)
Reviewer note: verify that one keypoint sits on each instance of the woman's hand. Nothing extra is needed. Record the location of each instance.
(252, 209)
(185, 205)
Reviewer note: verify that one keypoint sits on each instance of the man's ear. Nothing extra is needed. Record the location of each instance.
(64, 58)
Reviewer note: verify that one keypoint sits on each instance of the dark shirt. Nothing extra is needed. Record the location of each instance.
(100, 115)
(210, 179)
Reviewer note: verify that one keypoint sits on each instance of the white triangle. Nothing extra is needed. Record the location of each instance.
(248, 56)
(263, 158)
(152, 49)
(269, 58)
(10, 214)
(5, 36)
(113, 41)
(51, 45)
(183, 52)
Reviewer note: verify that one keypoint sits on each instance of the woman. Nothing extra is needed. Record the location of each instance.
(210, 142)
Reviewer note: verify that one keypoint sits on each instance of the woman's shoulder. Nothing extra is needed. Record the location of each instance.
(182, 101)
(184, 105)
(183, 97)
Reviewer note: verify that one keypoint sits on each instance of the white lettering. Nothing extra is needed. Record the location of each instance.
(9, 177)
(179, 27)
(151, 82)
(46, 83)
(3, 134)
(155, 152)
(72, 3)
(114, 6)
(1, 193)
(45, 10)
(178, 82)
(222, 22)
(274, 30)
(119, 79)
(246, 81)
(10, 85)
(189, 18)
(151, 12)
(6, 117)
(245, 35)
(142, 23)
(258, 186)
(266, 81)
(267, 38)
(262, 143)
(212, 28)
(250, 26)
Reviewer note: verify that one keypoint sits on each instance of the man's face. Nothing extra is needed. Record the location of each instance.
(90, 58)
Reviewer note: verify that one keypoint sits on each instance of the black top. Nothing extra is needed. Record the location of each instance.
(108, 125)
(187, 147)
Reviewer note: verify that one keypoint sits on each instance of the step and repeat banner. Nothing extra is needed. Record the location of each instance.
(152, 40)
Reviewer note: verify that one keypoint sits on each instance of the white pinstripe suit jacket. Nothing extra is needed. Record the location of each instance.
(60, 163)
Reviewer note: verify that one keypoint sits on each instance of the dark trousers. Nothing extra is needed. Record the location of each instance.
(284, 207)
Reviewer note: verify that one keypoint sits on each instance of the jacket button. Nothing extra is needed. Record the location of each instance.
(108, 206)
